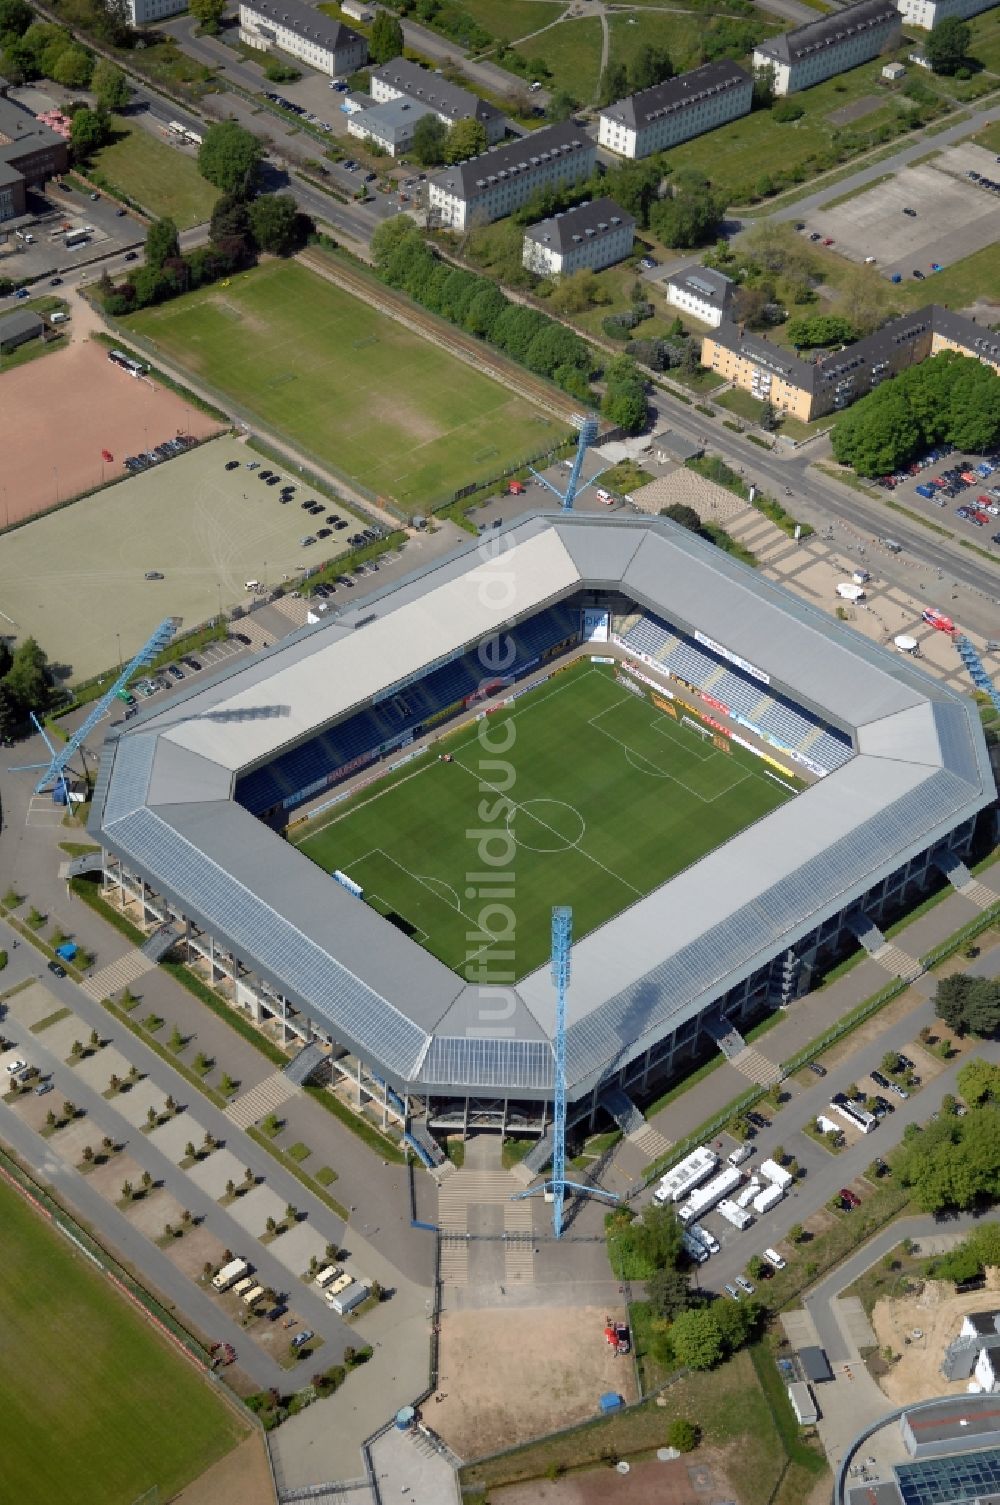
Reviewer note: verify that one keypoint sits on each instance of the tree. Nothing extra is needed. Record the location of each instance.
(230, 1189)
(73, 68)
(756, 1267)
(385, 41)
(561, 105)
(947, 45)
(274, 218)
(651, 65)
(127, 1192)
(763, 87)
(979, 1082)
(968, 1003)
(690, 218)
(613, 85)
(88, 1153)
(878, 433)
(467, 138)
(110, 86)
(69, 1110)
(685, 516)
(230, 157)
(88, 132)
(15, 18)
(820, 329)
(668, 1293)
(208, 14)
(696, 1339)
(682, 1435)
(29, 678)
(429, 136)
(189, 1151)
(230, 220)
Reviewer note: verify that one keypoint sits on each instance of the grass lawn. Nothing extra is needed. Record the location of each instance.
(744, 404)
(161, 178)
(989, 137)
(573, 52)
(958, 286)
(643, 798)
(985, 44)
(679, 32)
(97, 1409)
(737, 1408)
(351, 385)
(507, 20)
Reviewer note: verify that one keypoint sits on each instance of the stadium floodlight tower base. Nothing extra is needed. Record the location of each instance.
(54, 771)
(562, 941)
(588, 433)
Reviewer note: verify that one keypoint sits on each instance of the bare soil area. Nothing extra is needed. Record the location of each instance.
(507, 1376)
(936, 1314)
(649, 1482)
(196, 1249)
(241, 1478)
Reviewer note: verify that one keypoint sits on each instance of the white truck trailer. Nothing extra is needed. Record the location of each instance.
(686, 1175)
(733, 1213)
(703, 1198)
(776, 1173)
(229, 1274)
(351, 1296)
(769, 1197)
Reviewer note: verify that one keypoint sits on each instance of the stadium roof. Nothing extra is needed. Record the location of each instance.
(164, 804)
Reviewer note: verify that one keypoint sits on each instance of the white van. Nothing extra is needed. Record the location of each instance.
(251, 585)
(58, 318)
(327, 1276)
(774, 1258)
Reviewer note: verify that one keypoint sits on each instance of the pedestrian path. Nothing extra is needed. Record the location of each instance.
(117, 975)
(519, 1252)
(898, 963)
(455, 1257)
(255, 1104)
(981, 896)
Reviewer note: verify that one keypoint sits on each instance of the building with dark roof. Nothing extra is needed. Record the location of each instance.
(703, 292)
(19, 327)
(192, 797)
(390, 124)
(303, 32)
(935, 1428)
(497, 182)
(829, 45)
(811, 389)
(449, 101)
(815, 1364)
(592, 235)
(30, 153)
(676, 109)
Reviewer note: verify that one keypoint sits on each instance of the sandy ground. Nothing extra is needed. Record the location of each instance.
(241, 1478)
(546, 1369)
(97, 406)
(937, 1314)
(686, 1481)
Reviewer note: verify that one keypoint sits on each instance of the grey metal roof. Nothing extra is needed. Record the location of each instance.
(444, 97)
(829, 31)
(678, 93)
(163, 803)
(584, 222)
(21, 322)
(705, 283)
(394, 119)
(305, 21)
(469, 179)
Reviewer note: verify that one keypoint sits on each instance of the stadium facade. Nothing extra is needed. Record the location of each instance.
(192, 800)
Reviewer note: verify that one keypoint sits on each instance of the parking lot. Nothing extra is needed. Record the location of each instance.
(940, 484)
(199, 529)
(952, 216)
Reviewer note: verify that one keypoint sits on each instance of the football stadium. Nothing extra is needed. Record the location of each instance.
(358, 837)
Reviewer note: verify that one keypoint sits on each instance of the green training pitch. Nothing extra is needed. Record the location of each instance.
(348, 384)
(97, 1409)
(605, 798)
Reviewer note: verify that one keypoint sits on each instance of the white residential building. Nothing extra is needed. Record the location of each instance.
(303, 32)
(830, 45)
(145, 12)
(703, 293)
(928, 13)
(676, 110)
(389, 125)
(592, 236)
(497, 182)
(450, 102)
(358, 10)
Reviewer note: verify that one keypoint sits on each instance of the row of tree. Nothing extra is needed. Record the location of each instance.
(953, 1162)
(969, 1259)
(31, 49)
(950, 398)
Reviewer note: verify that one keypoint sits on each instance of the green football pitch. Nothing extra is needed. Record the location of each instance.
(97, 1408)
(348, 384)
(581, 793)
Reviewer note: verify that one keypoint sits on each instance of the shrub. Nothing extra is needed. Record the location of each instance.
(682, 1435)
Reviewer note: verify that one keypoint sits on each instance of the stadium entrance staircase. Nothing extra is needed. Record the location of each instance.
(117, 975)
(79, 867)
(482, 1182)
(160, 942)
(964, 883)
(255, 1104)
(302, 1065)
(636, 1128)
(746, 1059)
(896, 961)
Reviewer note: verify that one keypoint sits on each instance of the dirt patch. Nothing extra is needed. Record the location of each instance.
(108, 1179)
(415, 423)
(100, 407)
(241, 1478)
(546, 1369)
(196, 1249)
(151, 1212)
(649, 1482)
(936, 1314)
(871, 1031)
(856, 110)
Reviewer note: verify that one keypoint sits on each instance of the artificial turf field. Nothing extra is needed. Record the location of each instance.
(606, 798)
(348, 384)
(96, 1408)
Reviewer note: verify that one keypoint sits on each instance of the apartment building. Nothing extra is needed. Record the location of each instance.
(146, 12)
(812, 389)
(589, 236)
(303, 32)
(487, 187)
(676, 110)
(390, 124)
(928, 13)
(703, 293)
(829, 45)
(401, 78)
(30, 153)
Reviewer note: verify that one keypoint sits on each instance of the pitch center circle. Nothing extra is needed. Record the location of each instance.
(545, 825)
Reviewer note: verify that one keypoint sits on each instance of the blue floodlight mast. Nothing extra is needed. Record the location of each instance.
(54, 771)
(588, 434)
(562, 943)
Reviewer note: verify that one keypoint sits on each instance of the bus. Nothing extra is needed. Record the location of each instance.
(76, 238)
(127, 363)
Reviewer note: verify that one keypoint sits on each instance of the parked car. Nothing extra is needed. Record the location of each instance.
(43, 1087)
(301, 1339)
(879, 1079)
(817, 1068)
(57, 970)
(732, 1291)
(240, 637)
(16, 1066)
(745, 1285)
